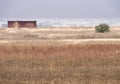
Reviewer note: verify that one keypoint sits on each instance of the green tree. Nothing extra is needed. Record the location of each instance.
(102, 28)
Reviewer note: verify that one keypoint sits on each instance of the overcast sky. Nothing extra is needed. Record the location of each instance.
(59, 8)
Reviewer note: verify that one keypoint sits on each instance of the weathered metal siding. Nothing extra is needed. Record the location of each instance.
(10, 24)
(22, 24)
(28, 24)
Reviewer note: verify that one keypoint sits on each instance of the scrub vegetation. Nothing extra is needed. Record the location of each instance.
(97, 63)
(102, 28)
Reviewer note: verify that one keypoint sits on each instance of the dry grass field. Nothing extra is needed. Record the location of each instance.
(56, 34)
(63, 64)
(60, 60)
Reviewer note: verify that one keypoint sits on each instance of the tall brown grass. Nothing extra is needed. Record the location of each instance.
(62, 64)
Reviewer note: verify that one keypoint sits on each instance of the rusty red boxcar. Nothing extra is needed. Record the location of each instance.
(22, 24)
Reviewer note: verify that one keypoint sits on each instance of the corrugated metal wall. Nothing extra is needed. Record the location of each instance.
(22, 24)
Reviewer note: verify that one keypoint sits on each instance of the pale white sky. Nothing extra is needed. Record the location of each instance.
(59, 9)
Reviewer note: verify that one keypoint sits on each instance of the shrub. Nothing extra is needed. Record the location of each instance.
(102, 28)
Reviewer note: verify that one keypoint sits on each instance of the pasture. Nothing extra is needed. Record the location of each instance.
(59, 56)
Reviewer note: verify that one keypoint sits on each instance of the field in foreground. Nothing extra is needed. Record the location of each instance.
(60, 64)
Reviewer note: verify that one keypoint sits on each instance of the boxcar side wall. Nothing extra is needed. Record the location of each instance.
(10, 24)
(22, 24)
(27, 24)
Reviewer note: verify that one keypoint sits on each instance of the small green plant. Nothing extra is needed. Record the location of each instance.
(102, 28)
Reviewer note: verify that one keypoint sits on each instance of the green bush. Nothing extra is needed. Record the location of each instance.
(102, 28)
